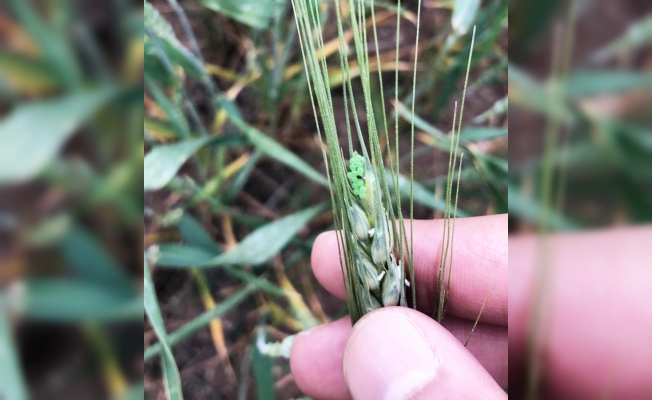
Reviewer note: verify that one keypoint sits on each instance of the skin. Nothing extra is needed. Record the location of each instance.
(396, 352)
(595, 327)
(597, 318)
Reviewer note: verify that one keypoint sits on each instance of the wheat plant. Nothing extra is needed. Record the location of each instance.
(372, 240)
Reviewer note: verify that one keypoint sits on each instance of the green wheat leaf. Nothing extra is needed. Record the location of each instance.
(529, 209)
(195, 234)
(162, 163)
(588, 83)
(33, 134)
(481, 133)
(464, 13)
(27, 72)
(93, 263)
(263, 243)
(12, 382)
(263, 375)
(181, 255)
(66, 300)
(56, 49)
(170, 371)
(171, 45)
(254, 13)
(269, 146)
(200, 322)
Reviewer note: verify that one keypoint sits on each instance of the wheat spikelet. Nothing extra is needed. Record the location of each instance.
(379, 275)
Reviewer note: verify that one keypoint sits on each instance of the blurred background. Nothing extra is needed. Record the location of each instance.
(580, 87)
(71, 302)
(232, 162)
(593, 109)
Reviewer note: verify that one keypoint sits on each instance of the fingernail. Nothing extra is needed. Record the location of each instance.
(388, 357)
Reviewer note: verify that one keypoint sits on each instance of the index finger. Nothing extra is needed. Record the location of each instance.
(479, 267)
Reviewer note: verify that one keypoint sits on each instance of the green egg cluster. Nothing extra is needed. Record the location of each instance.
(356, 175)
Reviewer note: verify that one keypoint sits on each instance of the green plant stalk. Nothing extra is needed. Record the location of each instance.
(215, 325)
(560, 66)
(167, 63)
(213, 90)
(113, 376)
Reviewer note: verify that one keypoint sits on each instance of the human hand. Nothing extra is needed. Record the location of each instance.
(597, 315)
(399, 353)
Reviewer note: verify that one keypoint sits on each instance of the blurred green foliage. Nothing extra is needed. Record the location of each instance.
(602, 161)
(71, 166)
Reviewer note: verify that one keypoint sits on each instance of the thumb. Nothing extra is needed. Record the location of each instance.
(397, 353)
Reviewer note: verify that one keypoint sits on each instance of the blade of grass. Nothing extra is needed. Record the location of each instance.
(114, 379)
(135, 392)
(24, 73)
(297, 305)
(170, 371)
(529, 209)
(588, 83)
(174, 114)
(93, 263)
(245, 373)
(60, 300)
(269, 146)
(179, 255)
(481, 133)
(262, 284)
(240, 179)
(215, 325)
(158, 130)
(195, 234)
(200, 322)
(263, 374)
(253, 13)
(171, 45)
(637, 35)
(162, 163)
(55, 48)
(464, 13)
(262, 244)
(33, 134)
(12, 382)
(422, 195)
(525, 92)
